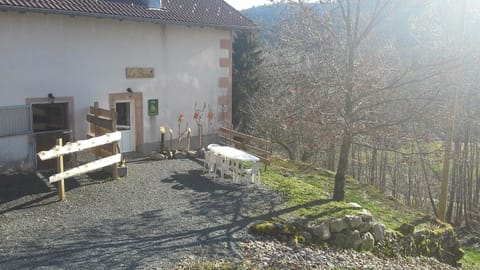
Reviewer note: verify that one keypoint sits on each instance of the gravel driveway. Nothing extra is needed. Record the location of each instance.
(161, 213)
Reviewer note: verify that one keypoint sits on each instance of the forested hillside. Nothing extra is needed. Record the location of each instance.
(383, 91)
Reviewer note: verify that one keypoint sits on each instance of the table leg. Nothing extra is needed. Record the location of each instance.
(255, 171)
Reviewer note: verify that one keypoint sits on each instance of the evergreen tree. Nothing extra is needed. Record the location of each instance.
(246, 76)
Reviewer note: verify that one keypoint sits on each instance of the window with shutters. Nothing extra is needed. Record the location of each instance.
(15, 120)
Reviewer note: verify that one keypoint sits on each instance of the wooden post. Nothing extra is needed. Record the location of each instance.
(171, 139)
(199, 135)
(95, 112)
(189, 131)
(113, 114)
(61, 183)
(162, 140)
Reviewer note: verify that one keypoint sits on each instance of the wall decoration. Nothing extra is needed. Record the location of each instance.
(152, 107)
(139, 73)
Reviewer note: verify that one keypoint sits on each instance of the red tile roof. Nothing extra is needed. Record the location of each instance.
(215, 13)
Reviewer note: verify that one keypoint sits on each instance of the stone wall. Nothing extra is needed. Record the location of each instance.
(363, 233)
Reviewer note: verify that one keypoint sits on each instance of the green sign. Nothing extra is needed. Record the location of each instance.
(153, 107)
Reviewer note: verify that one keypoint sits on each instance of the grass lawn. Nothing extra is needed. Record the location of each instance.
(471, 260)
(309, 190)
(305, 185)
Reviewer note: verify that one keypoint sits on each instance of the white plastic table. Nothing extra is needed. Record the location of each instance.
(235, 155)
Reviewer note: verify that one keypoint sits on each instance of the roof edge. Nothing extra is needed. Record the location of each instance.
(120, 17)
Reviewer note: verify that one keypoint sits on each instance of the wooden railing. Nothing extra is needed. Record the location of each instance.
(103, 121)
(260, 147)
(59, 150)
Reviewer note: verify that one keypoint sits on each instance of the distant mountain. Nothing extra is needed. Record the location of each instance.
(269, 18)
(266, 15)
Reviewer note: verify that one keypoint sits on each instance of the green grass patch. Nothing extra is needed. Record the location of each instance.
(221, 265)
(471, 260)
(309, 189)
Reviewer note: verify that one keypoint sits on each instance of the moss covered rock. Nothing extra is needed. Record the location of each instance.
(282, 231)
(432, 239)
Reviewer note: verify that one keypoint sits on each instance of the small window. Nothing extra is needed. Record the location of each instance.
(123, 115)
(50, 117)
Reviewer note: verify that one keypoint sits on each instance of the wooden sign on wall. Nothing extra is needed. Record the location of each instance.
(139, 73)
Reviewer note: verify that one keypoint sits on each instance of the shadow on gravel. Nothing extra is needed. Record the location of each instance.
(211, 222)
(13, 187)
(194, 181)
(23, 191)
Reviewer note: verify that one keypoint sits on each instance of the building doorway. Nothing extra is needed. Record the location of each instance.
(129, 108)
(126, 124)
(50, 121)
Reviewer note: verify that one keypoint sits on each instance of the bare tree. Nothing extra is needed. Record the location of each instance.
(338, 74)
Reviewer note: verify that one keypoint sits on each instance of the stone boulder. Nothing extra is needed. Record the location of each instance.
(406, 228)
(378, 231)
(366, 224)
(321, 232)
(368, 242)
(338, 225)
(347, 239)
(355, 205)
(354, 222)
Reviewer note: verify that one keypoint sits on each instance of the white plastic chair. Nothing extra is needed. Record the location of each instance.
(236, 168)
(222, 164)
(253, 172)
(209, 163)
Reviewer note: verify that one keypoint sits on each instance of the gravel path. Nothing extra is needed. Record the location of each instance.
(271, 254)
(161, 213)
(165, 213)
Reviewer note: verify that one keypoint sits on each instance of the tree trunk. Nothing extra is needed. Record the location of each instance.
(352, 159)
(373, 166)
(290, 152)
(339, 190)
(383, 165)
(409, 190)
(477, 176)
(394, 178)
(331, 157)
(453, 187)
(465, 169)
(427, 182)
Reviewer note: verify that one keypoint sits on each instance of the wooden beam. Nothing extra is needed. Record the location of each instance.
(99, 132)
(69, 148)
(92, 166)
(243, 135)
(100, 121)
(101, 112)
(247, 147)
(99, 152)
(102, 131)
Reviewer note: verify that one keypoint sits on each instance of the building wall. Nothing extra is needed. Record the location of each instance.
(16, 154)
(85, 58)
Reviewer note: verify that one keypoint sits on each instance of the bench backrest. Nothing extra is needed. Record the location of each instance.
(260, 147)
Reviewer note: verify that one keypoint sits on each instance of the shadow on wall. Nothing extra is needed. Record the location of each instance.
(17, 155)
(9, 168)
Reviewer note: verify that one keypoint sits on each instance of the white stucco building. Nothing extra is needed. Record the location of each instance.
(58, 56)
